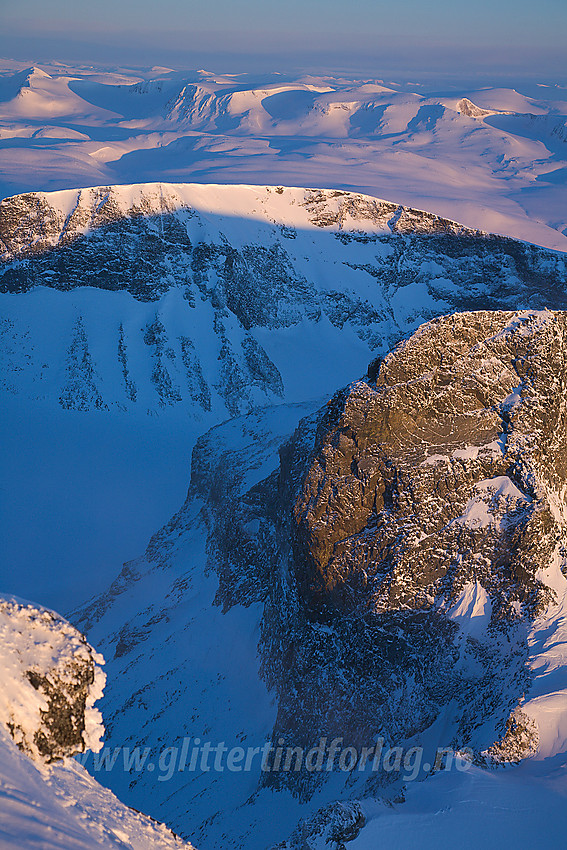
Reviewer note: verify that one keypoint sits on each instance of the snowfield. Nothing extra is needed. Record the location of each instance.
(61, 807)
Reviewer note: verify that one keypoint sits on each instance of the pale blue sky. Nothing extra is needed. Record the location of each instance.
(417, 33)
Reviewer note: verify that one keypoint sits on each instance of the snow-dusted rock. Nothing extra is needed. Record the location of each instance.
(51, 679)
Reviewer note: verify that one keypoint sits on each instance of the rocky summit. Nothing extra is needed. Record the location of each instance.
(435, 486)
(457, 445)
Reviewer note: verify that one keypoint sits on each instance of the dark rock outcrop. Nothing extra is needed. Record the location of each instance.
(333, 825)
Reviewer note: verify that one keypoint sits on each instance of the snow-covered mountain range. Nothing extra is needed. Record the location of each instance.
(193, 304)
(392, 564)
(491, 158)
(377, 560)
(395, 572)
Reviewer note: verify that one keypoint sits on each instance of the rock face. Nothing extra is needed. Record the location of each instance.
(390, 569)
(440, 471)
(207, 298)
(51, 679)
(333, 825)
(435, 489)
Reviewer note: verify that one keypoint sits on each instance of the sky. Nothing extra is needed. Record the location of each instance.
(424, 35)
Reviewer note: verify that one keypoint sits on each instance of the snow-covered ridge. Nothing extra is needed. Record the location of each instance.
(38, 221)
(160, 295)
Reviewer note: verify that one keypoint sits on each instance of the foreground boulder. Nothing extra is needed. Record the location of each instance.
(51, 679)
